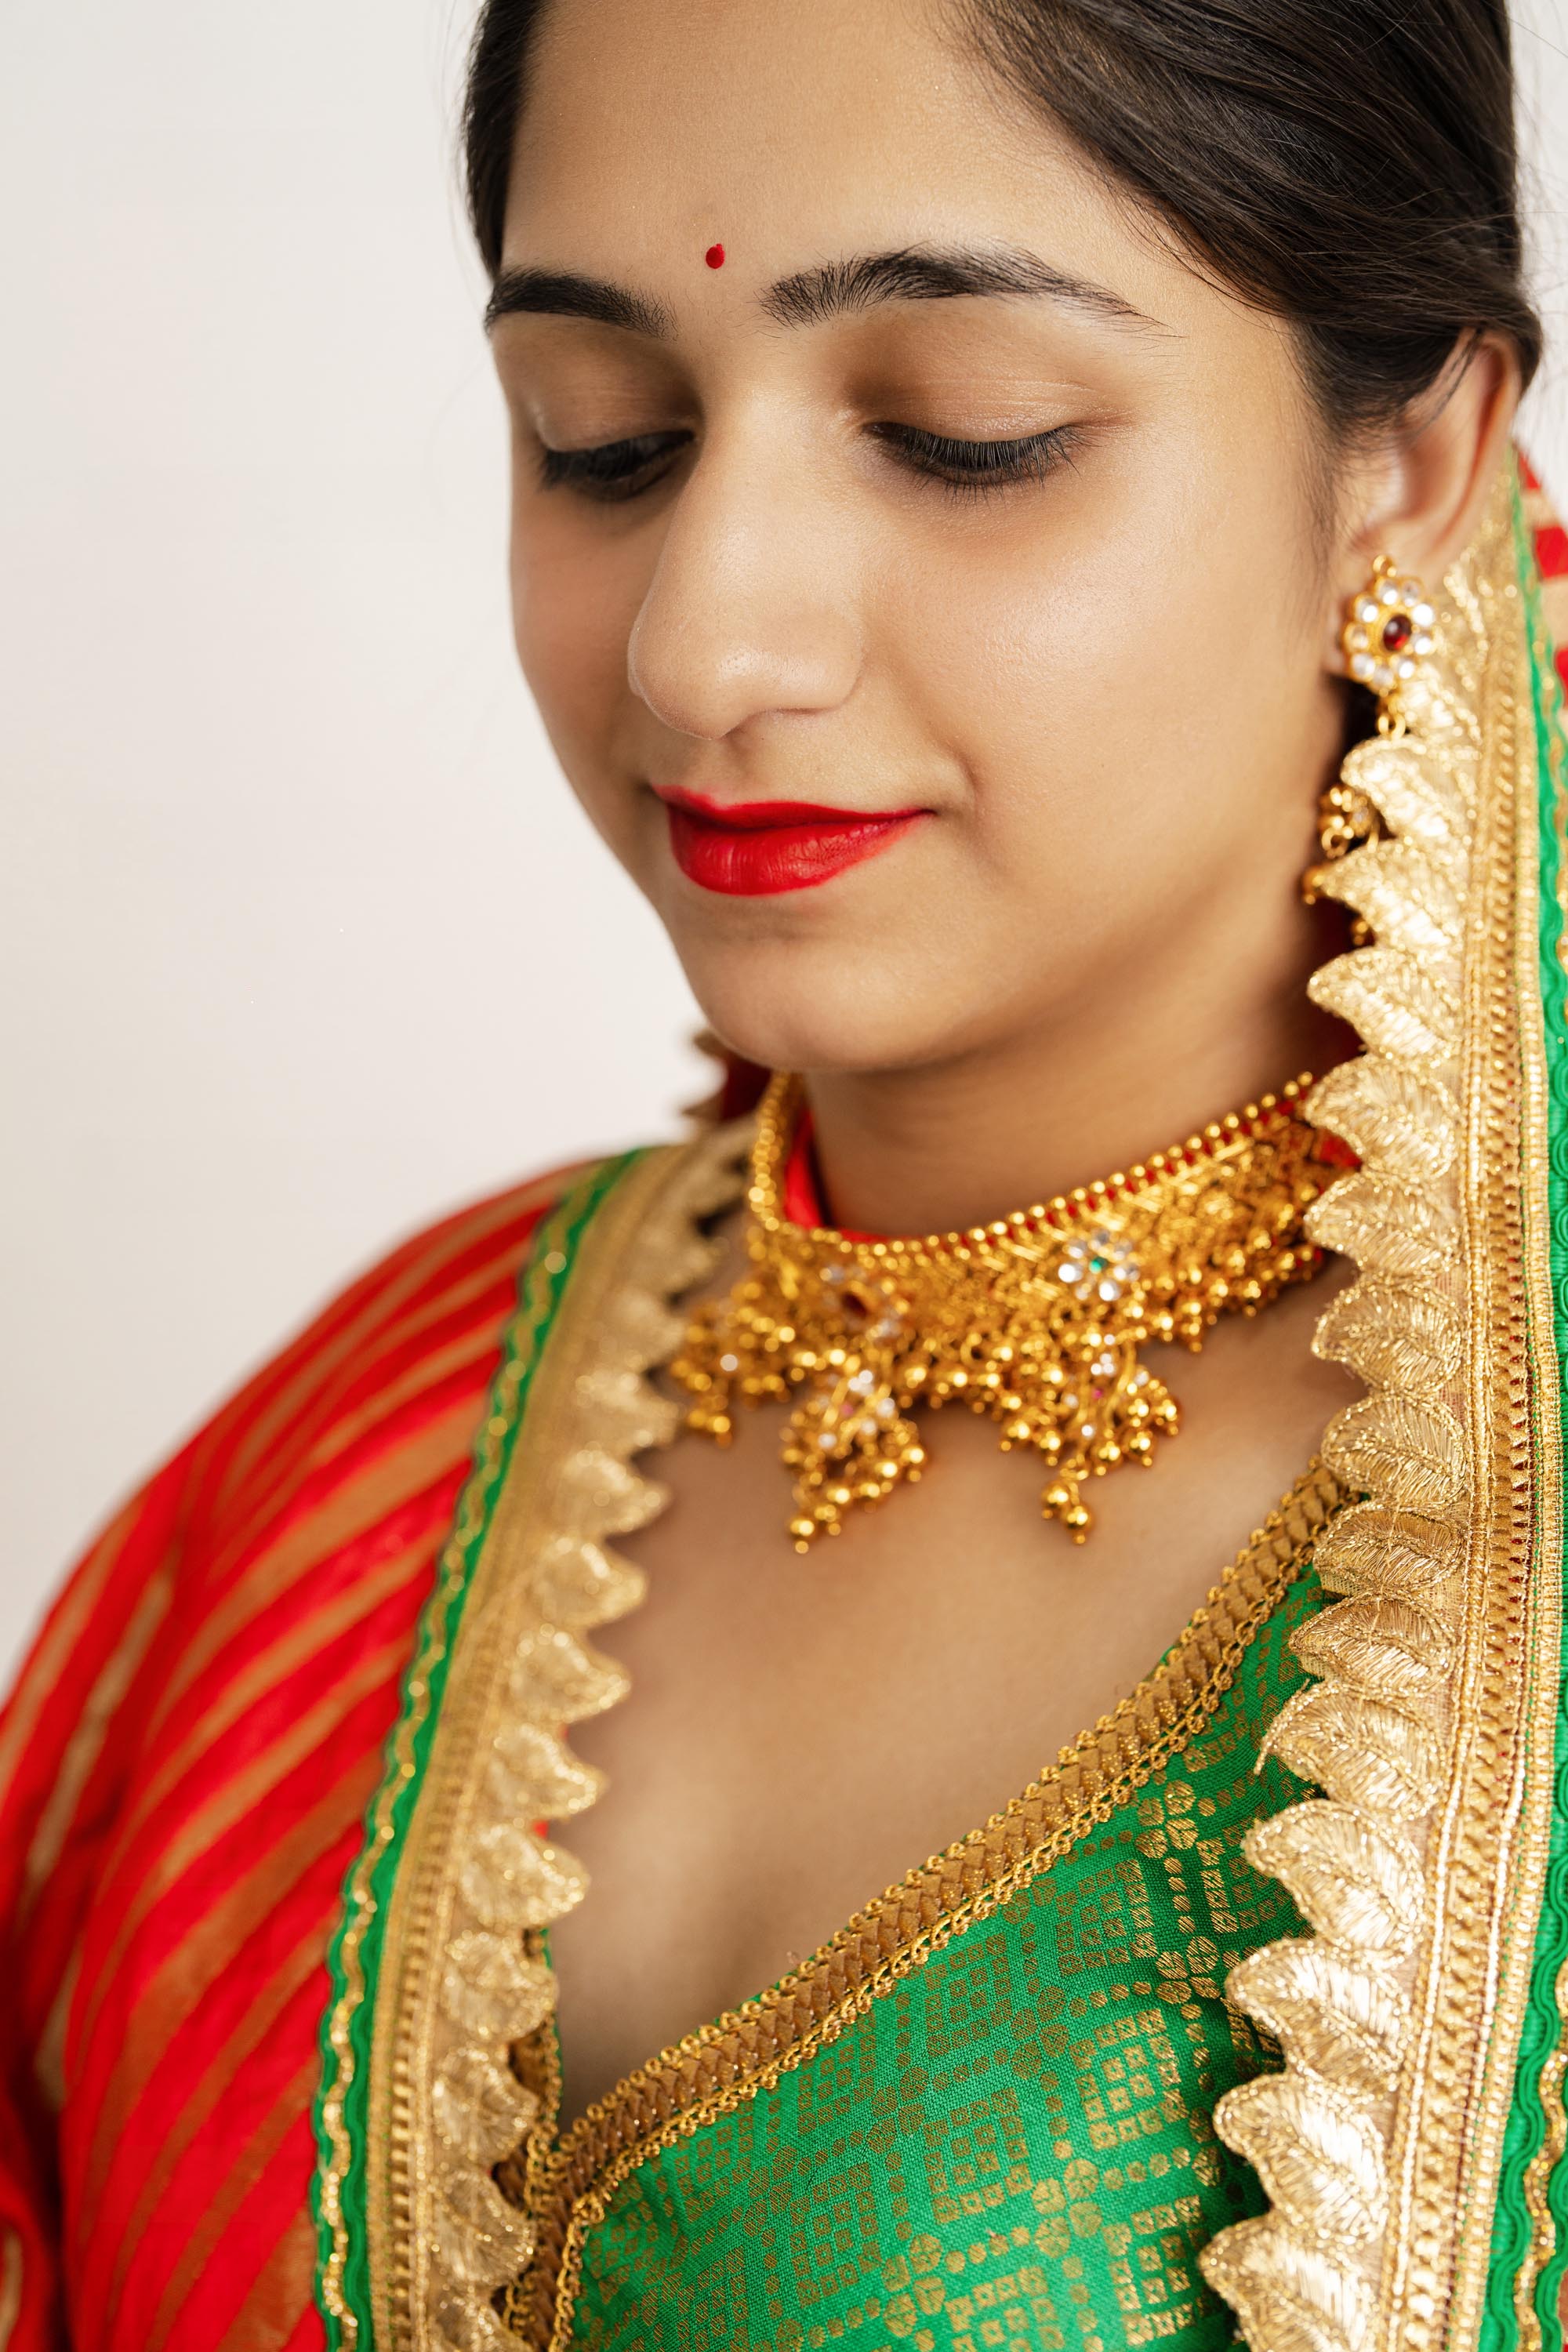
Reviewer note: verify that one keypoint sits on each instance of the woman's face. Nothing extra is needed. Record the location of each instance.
(951, 500)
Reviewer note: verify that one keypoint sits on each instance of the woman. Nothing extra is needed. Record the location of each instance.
(979, 470)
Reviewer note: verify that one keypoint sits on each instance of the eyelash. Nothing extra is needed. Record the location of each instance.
(617, 471)
(976, 468)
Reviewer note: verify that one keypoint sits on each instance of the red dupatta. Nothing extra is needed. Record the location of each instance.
(183, 1770)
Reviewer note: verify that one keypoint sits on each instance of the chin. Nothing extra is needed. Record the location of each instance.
(821, 1005)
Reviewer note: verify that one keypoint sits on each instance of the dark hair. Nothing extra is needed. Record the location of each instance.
(1347, 165)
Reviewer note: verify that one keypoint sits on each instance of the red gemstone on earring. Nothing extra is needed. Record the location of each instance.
(714, 257)
(1397, 632)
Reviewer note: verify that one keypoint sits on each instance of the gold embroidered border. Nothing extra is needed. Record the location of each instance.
(1420, 1867)
(457, 1986)
(332, 2126)
(565, 2185)
(1486, 1867)
(1550, 2089)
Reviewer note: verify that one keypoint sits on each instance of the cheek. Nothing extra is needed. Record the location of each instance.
(1119, 681)
(567, 599)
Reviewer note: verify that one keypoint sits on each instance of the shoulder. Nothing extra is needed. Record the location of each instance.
(408, 1345)
(357, 1431)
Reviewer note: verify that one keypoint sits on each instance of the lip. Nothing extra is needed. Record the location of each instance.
(757, 849)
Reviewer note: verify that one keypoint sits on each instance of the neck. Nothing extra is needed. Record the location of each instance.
(1137, 1065)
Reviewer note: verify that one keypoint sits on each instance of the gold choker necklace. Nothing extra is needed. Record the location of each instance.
(1036, 1320)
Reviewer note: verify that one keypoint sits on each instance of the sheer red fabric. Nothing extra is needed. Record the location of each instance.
(183, 1770)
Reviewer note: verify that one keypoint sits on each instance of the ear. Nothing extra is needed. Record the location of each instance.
(1420, 492)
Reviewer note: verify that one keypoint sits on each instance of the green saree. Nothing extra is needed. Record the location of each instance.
(1247, 2009)
(1015, 2144)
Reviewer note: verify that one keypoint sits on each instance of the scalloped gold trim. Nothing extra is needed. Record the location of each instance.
(459, 1984)
(1419, 1869)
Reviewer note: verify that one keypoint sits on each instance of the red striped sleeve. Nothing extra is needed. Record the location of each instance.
(184, 1769)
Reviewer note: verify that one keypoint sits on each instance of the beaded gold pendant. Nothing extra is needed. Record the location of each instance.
(1037, 1320)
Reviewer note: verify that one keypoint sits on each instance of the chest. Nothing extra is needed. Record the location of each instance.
(984, 2106)
(803, 1732)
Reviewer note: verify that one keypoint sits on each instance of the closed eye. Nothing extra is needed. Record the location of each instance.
(615, 469)
(972, 468)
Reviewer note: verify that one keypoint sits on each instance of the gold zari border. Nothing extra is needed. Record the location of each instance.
(478, 1877)
(1553, 2081)
(1430, 1728)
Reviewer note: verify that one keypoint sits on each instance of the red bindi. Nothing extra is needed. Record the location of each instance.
(714, 257)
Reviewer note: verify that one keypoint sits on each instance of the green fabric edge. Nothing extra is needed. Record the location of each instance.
(1527, 2121)
(543, 1280)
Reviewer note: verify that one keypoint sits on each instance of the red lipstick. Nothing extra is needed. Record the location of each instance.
(755, 849)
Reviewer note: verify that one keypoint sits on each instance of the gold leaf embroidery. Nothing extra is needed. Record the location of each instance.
(1421, 1871)
(601, 1493)
(1420, 795)
(530, 1767)
(1388, 1228)
(1288, 2294)
(581, 1584)
(1355, 2015)
(1393, 1000)
(509, 1878)
(1359, 1749)
(466, 1979)
(1318, 2153)
(1375, 1550)
(1404, 1337)
(1359, 1885)
(1397, 1120)
(468, 2325)
(630, 1415)
(478, 2236)
(479, 2108)
(1406, 896)
(556, 1679)
(1410, 1451)
(489, 1986)
(1382, 1645)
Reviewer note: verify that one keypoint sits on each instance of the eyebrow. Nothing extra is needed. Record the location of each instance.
(833, 290)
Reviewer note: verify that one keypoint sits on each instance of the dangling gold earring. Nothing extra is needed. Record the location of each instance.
(1390, 633)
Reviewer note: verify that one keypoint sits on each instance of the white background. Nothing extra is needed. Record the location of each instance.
(303, 939)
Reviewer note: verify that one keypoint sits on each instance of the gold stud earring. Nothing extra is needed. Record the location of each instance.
(1390, 633)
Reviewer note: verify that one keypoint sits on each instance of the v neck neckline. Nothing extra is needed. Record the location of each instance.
(564, 2178)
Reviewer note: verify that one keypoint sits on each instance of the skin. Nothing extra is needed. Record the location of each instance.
(1112, 685)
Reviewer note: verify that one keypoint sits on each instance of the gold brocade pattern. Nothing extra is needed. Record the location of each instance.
(1036, 1319)
(1400, 2016)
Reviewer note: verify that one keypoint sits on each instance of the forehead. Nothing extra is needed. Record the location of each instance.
(790, 130)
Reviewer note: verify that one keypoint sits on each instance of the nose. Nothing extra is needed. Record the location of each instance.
(751, 607)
